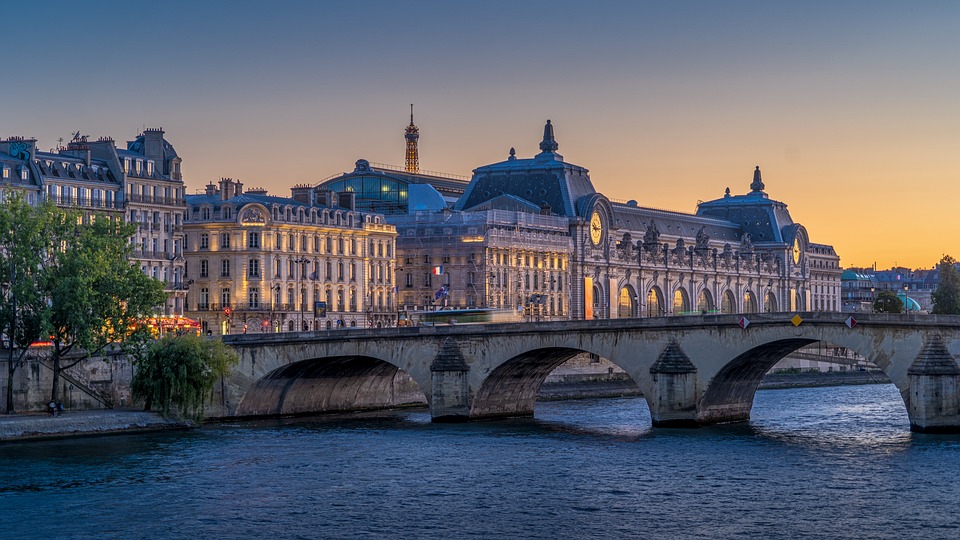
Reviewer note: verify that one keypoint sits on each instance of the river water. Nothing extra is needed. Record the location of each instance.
(834, 462)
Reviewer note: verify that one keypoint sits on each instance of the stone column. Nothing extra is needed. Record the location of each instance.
(449, 394)
(934, 406)
(674, 403)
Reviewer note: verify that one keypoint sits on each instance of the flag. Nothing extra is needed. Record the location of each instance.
(438, 270)
(442, 292)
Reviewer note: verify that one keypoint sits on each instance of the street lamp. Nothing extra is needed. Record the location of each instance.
(906, 299)
(302, 261)
(275, 290)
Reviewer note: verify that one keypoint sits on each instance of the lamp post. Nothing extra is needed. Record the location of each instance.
(301, 261)
(906, 299)
(275, 292)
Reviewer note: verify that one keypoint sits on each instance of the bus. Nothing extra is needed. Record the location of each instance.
(464, 316)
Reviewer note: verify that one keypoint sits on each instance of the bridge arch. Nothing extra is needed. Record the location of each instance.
(730, 392)
(510, 389)
(329, 384)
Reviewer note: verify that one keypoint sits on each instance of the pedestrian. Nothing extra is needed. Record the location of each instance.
(52, 408)
(59, 408)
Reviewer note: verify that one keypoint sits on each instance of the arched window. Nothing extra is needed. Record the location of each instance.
(705, 302)
(626, 306)
(654, 303)
(728, 304)
(770, 303)
(749, 302)
(681, 302)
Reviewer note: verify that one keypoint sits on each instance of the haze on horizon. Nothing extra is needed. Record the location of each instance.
(849, 109)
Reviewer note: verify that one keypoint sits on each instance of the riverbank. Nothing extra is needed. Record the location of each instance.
(25, 427)
(822, 378)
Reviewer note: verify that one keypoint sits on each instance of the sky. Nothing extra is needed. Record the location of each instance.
(850, 109)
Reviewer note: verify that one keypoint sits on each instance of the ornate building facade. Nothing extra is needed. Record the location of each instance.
(260, 263)
(140, 183)
(535, 236)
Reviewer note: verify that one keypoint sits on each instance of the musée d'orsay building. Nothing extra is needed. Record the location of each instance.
(534, 235)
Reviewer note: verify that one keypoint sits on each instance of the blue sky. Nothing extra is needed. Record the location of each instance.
(846, 106)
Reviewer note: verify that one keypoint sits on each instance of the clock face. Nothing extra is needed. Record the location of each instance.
(796, 251)
(596, 228)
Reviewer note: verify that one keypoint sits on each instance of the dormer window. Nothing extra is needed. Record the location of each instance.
(139, 166)
(6, 172)
(149, 168)
(24, 173)
(126, 165)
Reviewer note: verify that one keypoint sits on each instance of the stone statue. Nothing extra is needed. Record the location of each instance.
(703, 240)
(746, 243)
(651, 238)
(626, 246)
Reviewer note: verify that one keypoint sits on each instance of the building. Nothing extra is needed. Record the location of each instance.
(260, 263)
(535, 236)
(140, 183)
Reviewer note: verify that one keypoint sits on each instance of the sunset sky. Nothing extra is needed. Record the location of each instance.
(851, 110)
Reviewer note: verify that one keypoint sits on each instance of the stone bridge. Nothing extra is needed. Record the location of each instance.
(693, 370)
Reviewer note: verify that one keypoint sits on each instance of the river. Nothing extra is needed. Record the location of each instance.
(835, 462)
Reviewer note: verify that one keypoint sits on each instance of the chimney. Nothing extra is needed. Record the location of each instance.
(301, 193)
(211, 189)
(325, 197)
(153, 144)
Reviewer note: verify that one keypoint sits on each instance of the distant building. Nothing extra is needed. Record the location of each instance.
(534, 235)
(260, 263)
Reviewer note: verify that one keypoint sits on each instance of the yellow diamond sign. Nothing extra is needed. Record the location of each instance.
(796, 320)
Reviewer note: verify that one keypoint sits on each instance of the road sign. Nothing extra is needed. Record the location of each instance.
(796, 320)
(744, 322)
(850, 322)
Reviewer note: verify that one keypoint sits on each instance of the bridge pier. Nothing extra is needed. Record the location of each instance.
(934, 403)
(674, 403)
(449, 392)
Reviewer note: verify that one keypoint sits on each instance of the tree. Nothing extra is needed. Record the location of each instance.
(179, 372)
(946, 299)
(97, 299)
(24, 230)
(887, 302)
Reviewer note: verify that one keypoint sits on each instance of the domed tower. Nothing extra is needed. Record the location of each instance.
(412, 135)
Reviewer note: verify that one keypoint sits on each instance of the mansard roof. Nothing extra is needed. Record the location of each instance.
(544, 180)
(637, 218)
(766, 220)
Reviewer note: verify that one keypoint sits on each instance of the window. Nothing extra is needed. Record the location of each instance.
(253, 268)
(409, 280)
(204, 268)
(339, 271)
(340, 246)
(353, 272)
(6, 172)
(204, 298)
(224, 240)
(225, 268)
(253, 239)
(277, 268)
(204, 241)
(427, 279)
(253, 297)
(149, 168)
(279, 242)
(225, 297)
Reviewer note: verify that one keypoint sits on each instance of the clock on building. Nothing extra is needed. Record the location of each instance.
(797, 251)
(596, 228)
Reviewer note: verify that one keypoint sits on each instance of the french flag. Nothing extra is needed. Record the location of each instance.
(438, 270)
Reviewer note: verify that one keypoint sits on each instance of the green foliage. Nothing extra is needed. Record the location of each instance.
(179, 373)
(887, 302)
(946, 299)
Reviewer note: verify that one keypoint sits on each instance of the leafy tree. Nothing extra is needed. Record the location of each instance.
(97, 299)
(887, 302)
(179, 372)
(946, 299)
(24, 231)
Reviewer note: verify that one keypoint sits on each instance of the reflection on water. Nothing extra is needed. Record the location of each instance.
(818, 462)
